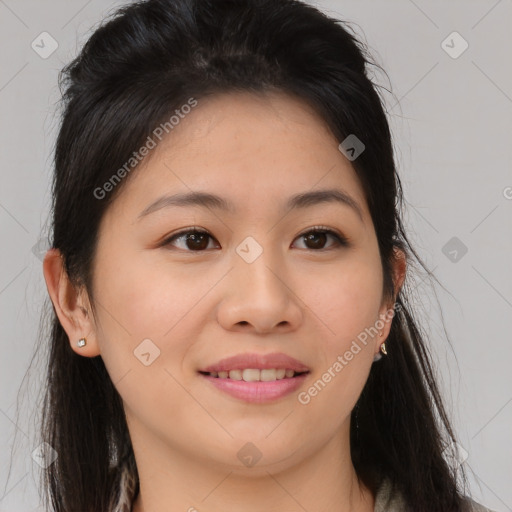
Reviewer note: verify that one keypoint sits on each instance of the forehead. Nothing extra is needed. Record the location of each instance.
(255, 150)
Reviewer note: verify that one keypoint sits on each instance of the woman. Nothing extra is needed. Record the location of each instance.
(231, 328)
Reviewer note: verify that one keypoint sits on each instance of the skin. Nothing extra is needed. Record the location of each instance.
(308, 300)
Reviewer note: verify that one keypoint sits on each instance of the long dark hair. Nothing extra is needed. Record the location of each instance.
(144, 62)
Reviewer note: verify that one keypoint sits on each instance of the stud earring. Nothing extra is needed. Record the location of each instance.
(82, 342)
(382, 350)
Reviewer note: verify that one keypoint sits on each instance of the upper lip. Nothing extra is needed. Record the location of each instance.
(257, 361)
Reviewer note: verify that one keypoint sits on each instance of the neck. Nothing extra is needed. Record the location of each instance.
(324, 480)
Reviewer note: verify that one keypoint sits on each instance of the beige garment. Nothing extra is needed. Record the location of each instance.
(386, 501)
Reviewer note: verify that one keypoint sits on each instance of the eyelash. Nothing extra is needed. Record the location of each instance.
(341, 240)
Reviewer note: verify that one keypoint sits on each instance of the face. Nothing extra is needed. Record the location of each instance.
(266, 274)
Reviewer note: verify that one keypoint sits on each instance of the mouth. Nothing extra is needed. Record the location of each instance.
(257, 378)
(256, 375)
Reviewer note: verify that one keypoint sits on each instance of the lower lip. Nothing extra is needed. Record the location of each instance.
(257, 392)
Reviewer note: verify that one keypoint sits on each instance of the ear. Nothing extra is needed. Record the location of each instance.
(386, 313)
(72, 306)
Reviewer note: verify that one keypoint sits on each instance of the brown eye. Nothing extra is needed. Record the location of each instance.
(196, 240)
(193, 240)
(316, 239)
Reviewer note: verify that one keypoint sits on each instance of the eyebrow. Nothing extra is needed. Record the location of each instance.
(208, 200)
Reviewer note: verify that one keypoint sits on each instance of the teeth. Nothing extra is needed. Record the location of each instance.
(280, 374)
(254, 375)
(251, 375)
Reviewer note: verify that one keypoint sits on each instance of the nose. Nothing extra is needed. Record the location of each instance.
(259, 297)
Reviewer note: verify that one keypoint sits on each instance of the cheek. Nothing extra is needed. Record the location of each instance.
(348, 301)
(156, 303)
(144, 303)
(150, 299)
(347, 306)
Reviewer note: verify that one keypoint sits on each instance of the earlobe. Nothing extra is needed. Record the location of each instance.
(69, 305)
(387, 314)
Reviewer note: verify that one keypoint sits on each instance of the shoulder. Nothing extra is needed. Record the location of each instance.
(388, 500)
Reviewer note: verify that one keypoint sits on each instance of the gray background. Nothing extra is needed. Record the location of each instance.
(452, 131)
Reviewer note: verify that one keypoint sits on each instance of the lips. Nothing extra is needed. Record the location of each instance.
(242, 362)
(257, 392)
(257, 378)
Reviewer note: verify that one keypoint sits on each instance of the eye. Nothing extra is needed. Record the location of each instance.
(317, 236)
(197, 240)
